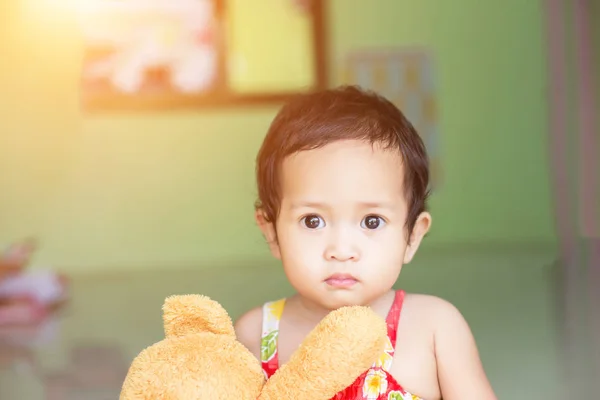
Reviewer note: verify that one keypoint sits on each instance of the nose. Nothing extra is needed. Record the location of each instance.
(341, 246)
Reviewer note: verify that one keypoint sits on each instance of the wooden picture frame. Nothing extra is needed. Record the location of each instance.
(155, 90)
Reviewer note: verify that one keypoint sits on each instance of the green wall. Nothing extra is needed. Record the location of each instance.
(129, 191)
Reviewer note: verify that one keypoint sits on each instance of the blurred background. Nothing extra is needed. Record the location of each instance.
(134, 197)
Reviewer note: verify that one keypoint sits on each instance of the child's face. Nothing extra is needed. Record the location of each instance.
(341, 231)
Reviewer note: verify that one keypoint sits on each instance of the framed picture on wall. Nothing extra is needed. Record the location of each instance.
(173, 54)
(407, 78)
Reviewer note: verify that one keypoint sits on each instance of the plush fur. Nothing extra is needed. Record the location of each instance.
(200, 358)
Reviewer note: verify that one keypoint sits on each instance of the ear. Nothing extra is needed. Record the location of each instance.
(269, 232)
(420, 229)
(188, 314)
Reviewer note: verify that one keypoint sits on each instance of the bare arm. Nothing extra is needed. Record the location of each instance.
(460, 371)
(248, 329)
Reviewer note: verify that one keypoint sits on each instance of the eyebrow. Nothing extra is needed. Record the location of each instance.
(362, 204)
(307, 204)
(376, 204)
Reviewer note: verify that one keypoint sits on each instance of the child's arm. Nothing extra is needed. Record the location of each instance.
(460, 372)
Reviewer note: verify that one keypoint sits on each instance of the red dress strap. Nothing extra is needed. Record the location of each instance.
(269, 354)
(271, 366)
(393, 316)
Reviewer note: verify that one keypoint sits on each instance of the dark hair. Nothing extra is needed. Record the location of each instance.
(313, 120)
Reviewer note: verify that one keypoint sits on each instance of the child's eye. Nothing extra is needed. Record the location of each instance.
(313, 222)
(372, 222)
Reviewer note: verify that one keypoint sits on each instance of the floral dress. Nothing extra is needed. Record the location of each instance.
(374, 384)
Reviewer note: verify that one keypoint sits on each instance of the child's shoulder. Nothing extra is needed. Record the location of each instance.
(427, 302)
(248, 329)
(459, 367)
(431, 310)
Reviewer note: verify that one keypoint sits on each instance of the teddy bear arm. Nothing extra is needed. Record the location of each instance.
(342, 347)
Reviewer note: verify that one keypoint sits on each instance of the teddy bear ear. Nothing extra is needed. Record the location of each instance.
(188, 314)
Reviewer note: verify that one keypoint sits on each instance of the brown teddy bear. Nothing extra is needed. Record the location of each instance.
(200, 358)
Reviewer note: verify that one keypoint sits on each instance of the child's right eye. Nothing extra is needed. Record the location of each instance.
(313, 222)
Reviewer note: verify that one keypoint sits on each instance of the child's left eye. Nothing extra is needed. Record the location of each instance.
(372, 222)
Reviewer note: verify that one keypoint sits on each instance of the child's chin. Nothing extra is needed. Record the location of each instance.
(342, 298)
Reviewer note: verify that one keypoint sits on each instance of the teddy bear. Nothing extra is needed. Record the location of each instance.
(201, 359)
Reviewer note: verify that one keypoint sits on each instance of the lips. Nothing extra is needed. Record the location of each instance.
(341, 281)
